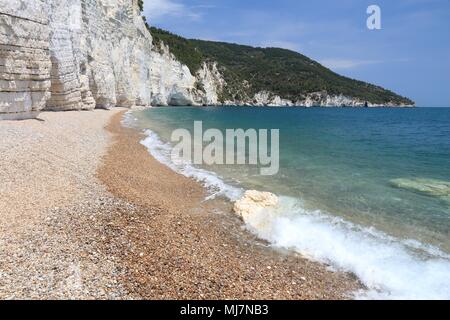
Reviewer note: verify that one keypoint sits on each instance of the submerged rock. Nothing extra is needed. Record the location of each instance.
(429, 187)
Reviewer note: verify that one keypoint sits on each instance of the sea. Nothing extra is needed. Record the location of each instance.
(365, 191)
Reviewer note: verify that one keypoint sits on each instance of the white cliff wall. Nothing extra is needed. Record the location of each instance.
(72, 55)
(118, 50)
(65, 24)
(315, 99)
(211, 82)
(173, 84)
(24, 58)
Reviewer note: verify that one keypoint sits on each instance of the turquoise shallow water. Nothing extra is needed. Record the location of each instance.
(379, 174)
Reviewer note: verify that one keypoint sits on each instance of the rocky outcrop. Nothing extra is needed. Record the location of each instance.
(211, 83)
(171, 81)
(254, 200)
(72, 55)
(265, 98)
(315, 99)
(323, 99)
(173, 84)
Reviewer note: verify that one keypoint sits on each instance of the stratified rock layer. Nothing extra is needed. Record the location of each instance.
(72, 55)
(24, 58)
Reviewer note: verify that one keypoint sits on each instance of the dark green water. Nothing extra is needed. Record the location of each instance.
(385, 171)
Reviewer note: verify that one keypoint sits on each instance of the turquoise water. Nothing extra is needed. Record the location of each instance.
(366, 190)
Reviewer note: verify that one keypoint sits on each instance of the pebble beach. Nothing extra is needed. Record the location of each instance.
(87, 213)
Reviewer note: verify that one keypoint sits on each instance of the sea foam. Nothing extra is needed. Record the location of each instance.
(390, 268)
(216, 185)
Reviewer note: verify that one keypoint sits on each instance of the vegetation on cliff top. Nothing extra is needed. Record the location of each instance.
(141, 5)
(248, 70)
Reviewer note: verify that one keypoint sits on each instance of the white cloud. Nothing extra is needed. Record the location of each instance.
(156, 10)
(339, 64)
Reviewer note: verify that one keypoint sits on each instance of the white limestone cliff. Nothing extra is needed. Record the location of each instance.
(211, 82)
(265, 98)
(24, 58)
(72, 55)
(171, 81)
(315, 99)
(174, 85)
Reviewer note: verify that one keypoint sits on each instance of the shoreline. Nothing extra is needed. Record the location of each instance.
(102, 219)
(203, 246)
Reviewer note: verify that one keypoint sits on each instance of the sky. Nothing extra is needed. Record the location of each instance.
(410, 55)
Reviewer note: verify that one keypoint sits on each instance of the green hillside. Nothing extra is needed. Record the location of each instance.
(248, 70)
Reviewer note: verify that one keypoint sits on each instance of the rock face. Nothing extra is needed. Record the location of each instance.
(316, 99)
(265, 98)
(173, 84)
(323, 99)
(72, 55)
(24, 58)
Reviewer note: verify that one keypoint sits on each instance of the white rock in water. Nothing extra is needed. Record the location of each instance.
(258, 209)
(254, 200)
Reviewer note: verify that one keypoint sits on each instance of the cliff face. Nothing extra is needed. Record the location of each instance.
(24, 58)
(315, 99)
(72, 55)
(173, 84)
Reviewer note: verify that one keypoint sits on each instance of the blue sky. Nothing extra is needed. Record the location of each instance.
(409, 55)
